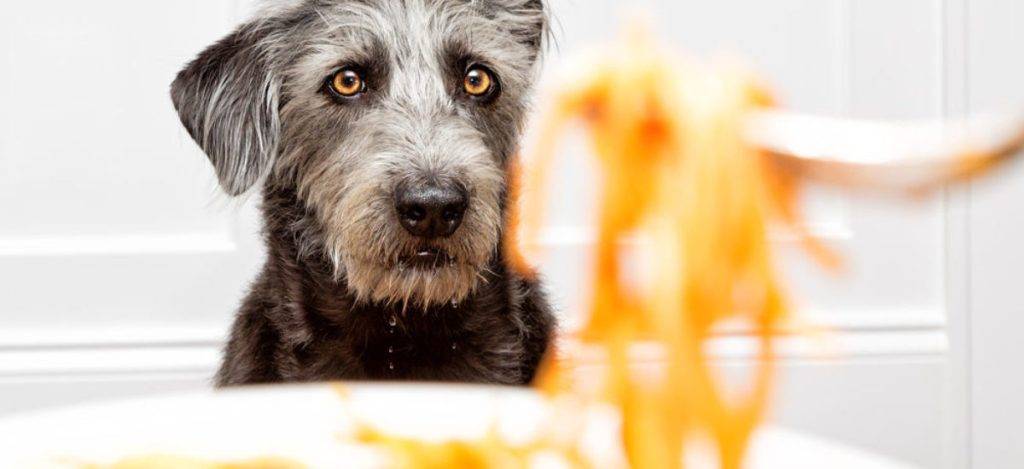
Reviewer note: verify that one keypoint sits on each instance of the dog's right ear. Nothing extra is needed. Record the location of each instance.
(228, 100)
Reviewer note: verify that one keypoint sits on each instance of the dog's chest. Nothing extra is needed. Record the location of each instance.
(407, 349)
(445, 344)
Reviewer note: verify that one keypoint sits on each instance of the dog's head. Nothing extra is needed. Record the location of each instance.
(393, 120)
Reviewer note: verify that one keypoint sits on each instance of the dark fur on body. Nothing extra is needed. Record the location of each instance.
(335, 280)
(299, 324)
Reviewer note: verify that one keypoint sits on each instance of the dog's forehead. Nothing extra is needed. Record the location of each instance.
(408, 23)
(408, 35)
(407, 27)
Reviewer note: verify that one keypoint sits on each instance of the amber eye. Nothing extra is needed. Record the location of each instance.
(348, 83)
(478, 82)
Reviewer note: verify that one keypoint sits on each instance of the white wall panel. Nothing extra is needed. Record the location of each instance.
(996, 83)
(110, 212)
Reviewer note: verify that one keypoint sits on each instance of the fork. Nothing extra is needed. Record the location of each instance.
(898, 156)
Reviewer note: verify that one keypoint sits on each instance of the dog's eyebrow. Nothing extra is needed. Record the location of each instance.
(349, 42)
(453, 51)
(375, 61)
(457, 53)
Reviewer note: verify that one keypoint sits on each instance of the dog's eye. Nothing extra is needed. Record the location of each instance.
(347, 83)
(479, 82)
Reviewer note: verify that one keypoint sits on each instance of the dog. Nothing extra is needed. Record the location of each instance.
(381, 133)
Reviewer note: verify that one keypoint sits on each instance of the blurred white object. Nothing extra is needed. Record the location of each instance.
(308, 424)
(886, 155)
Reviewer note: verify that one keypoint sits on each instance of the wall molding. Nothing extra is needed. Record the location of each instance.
(117, 244)
(51, 363)
(555, 236)
(35, 352)
(160, 335)
(839, 348)
(17, 339)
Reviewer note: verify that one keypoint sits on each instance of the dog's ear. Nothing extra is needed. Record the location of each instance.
(228, 98)
(529, 22)
(534, 28)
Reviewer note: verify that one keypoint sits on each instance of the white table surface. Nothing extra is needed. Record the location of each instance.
(306, 423)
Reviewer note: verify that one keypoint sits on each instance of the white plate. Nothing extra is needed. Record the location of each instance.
(307, 423)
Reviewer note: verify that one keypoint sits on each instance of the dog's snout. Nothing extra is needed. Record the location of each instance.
(431, 211)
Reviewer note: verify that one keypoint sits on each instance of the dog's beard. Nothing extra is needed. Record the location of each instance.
(384, 265)
(410, 285)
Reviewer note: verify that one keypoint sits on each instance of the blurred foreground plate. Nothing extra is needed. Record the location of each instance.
(308, 424)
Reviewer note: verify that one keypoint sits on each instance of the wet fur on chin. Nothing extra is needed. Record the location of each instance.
(333, 300)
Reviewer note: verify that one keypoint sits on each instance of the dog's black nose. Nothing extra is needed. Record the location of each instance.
(431, 211)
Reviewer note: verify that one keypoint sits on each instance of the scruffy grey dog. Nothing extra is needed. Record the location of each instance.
(381, 132)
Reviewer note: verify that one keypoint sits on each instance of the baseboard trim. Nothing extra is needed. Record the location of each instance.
(109, 361)
(199, 353)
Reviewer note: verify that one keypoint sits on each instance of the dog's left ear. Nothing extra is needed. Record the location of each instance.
(529, 22)
(227, 98)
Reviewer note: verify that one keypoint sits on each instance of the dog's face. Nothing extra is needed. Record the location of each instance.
(393, 120)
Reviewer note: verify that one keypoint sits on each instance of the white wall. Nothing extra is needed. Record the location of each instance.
(120, 266)
(994, 345)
